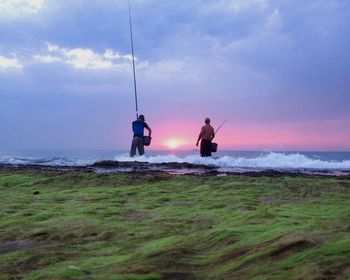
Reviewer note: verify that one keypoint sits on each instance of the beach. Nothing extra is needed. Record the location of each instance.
(88, 223)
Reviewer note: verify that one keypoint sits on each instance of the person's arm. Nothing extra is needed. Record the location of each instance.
(213, 136)
(149, 131)
(200, 136)
(145, 125)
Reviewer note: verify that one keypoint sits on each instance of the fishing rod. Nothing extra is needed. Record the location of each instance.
(133, 62)
(214, 146)
(216, 131)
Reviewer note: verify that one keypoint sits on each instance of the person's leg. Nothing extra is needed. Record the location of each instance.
(133, 147)
(202, 148)
(140, 146)
(206, 148)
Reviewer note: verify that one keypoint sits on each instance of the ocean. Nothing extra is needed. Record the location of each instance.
(327, 162)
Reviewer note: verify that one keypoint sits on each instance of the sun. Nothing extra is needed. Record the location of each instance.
(173, 143)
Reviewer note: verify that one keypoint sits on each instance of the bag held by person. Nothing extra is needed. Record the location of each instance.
(214, 147)
(147, 140)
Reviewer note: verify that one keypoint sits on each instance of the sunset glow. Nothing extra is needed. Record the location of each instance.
(173, 143)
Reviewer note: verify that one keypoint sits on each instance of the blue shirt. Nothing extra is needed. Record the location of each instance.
(138, 127)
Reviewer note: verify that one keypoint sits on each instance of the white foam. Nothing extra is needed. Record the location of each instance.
(272, 160)
(49, 161)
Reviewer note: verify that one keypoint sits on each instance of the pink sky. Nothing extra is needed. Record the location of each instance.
(326, 135)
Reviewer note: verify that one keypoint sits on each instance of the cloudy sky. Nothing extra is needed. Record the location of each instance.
(279, 70)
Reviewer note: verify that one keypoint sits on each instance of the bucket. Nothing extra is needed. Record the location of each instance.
(147, 140)
(214, 147)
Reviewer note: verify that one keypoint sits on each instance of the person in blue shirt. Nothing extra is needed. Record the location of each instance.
(138, 127)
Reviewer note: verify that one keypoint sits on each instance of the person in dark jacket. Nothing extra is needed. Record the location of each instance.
(206, 135)
(138, 127)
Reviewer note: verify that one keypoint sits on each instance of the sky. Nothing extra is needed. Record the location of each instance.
(277, 70)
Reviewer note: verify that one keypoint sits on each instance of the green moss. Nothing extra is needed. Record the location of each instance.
(79, 225)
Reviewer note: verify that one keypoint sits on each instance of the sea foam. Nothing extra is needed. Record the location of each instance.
(266, 160)
(272, 160)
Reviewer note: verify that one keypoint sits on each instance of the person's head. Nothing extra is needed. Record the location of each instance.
(141, 118)
(207, 121)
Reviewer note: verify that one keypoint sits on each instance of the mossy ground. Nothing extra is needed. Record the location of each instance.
(76, 225)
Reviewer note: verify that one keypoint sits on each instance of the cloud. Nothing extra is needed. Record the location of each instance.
(169, 70)
(15, 8)
(8, 63)
(83, 58)
(46, 58)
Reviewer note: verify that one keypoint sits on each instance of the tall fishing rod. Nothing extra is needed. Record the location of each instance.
(133, 62)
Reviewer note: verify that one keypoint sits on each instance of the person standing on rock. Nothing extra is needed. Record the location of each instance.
(138, 127)
(206, 135)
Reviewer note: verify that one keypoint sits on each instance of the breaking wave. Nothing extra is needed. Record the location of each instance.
(272, 160)
(267, 160)
(49, 161)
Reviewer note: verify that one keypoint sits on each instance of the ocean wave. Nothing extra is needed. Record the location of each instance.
(49, 161)
(272, 160)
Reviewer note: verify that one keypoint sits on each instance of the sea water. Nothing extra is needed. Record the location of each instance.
(226, 160)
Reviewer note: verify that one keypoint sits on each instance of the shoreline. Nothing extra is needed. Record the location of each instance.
(188, 163)
(175, 168)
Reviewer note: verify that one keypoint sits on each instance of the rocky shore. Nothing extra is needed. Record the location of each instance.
(175, 168)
